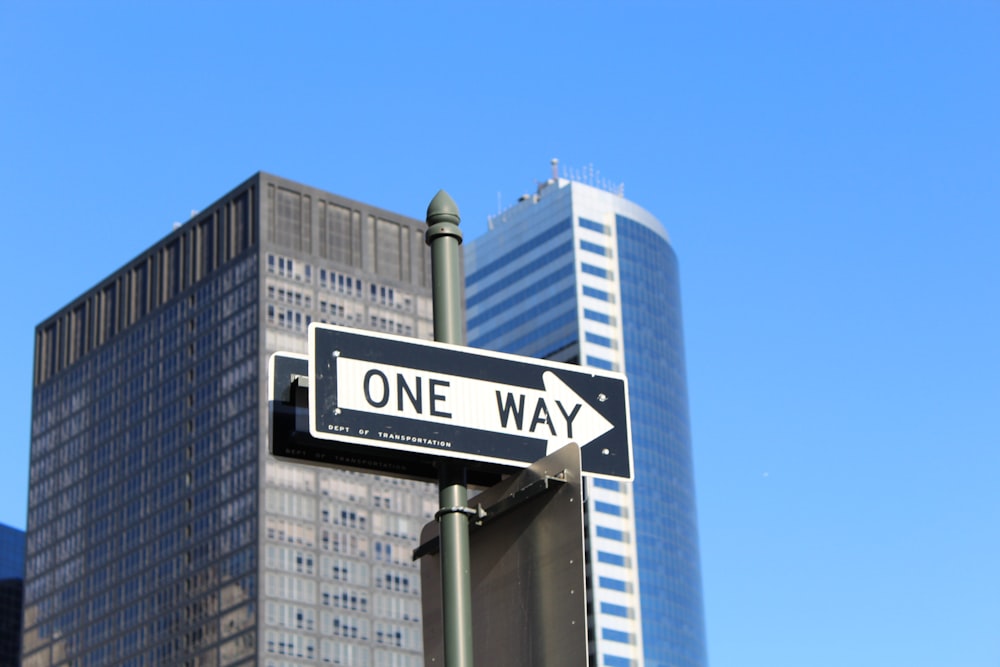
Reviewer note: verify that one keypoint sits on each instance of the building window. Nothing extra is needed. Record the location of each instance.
(593, 226)
(587, 246)
(614, 610)
(595, 271)
(596, 293)
(607, 508)
(603, 341)
(597, 362)
(596, 316)
(610, 533)
(610, 559)
(612, 584)
(616, 636)
(602, 483)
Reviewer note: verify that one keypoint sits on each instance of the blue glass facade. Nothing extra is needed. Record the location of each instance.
(666, 525)
(533, 317)
(581, 275)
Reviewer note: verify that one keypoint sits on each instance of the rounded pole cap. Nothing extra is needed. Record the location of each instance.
(442, 209)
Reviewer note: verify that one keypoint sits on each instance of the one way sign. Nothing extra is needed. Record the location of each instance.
(446, 400)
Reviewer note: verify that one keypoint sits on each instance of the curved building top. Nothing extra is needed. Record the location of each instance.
(582, 195)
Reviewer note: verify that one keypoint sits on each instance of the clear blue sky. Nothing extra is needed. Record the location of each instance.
(829, 173)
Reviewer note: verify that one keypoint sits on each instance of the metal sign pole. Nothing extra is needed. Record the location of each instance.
(444, 237)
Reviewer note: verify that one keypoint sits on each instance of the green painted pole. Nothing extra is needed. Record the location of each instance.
(444, 237)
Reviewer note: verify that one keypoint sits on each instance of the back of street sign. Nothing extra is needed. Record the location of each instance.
(529, 596)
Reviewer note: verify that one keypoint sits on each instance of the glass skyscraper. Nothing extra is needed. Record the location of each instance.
(11, 593)
(160, 529)
(580, 274)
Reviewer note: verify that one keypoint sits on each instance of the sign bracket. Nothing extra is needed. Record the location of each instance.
(481, 516)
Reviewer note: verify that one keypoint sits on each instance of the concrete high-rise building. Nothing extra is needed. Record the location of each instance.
(578, 273)
(11, 593)
(160, 530)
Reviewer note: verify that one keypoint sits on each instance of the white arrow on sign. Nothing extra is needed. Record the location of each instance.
(556, 414)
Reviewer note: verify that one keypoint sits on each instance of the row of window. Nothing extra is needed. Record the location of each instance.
(603, 364)
(592, 270)
(595, 293)
(556, 322)
(528, 294)
(347, 285)
(342, 594)
(295, 320)
(342, 312)
(597, 339)
(340, 283)
(617, 636)
(336, 652)
(594, 248)
(390, 325)
(396, 514)
(285, 267)
(291, 297)
(397, 607)
(614, 584)
(290, 644)
(609, 508)
(278, 529)
(392, 579)
(293, 616)
(595, 316)
(513, 255)
(612, 559)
